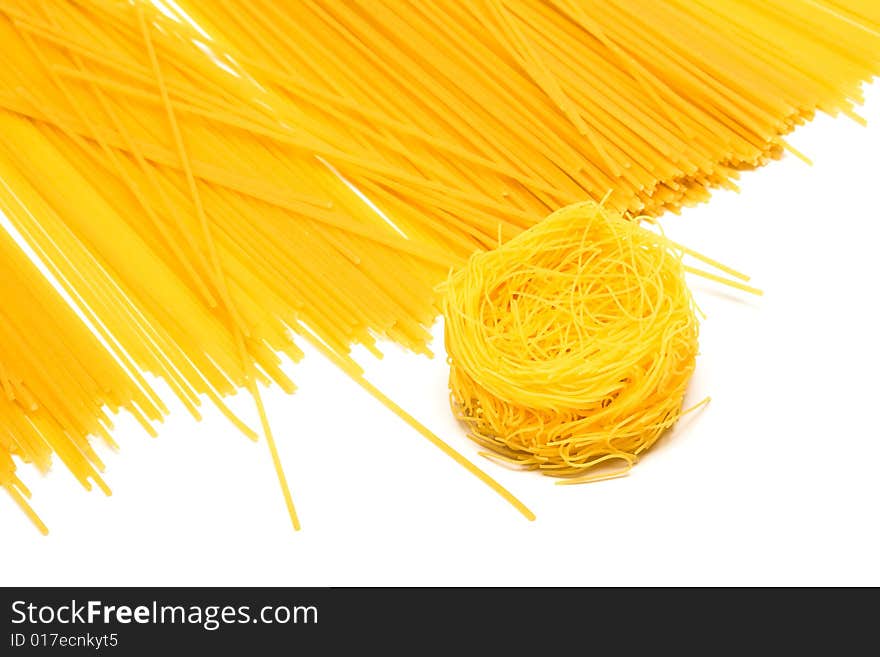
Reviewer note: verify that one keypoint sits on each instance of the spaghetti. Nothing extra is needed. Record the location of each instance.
(209, 182)
(58, 384)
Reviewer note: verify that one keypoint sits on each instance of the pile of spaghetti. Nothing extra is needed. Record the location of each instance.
(212, 184)
(571, 346)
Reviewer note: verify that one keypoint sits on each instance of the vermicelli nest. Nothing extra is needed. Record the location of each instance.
(571, 345)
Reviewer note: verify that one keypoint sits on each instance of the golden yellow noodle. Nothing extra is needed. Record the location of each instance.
(211, 181)
(571, 345)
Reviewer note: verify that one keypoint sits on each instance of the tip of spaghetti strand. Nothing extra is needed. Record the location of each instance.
(791, 149)
(20, 485)
(700, 404)
(505, 494)
(22, 503)
(102, 485)
(724, 281)
(273, 452)
(526, 512)
(711, 262)
(855, 116)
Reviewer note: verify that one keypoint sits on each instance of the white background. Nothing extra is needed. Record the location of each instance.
(775, 482)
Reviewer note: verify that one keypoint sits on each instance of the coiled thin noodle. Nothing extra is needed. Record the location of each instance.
(571, 346)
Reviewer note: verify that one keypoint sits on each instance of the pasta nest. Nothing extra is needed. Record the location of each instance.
(571, 346)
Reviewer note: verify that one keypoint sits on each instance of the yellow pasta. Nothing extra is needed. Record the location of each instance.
(137, 210)
(571, 346)
(527, 105)
(209, 182)
(58, 384)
